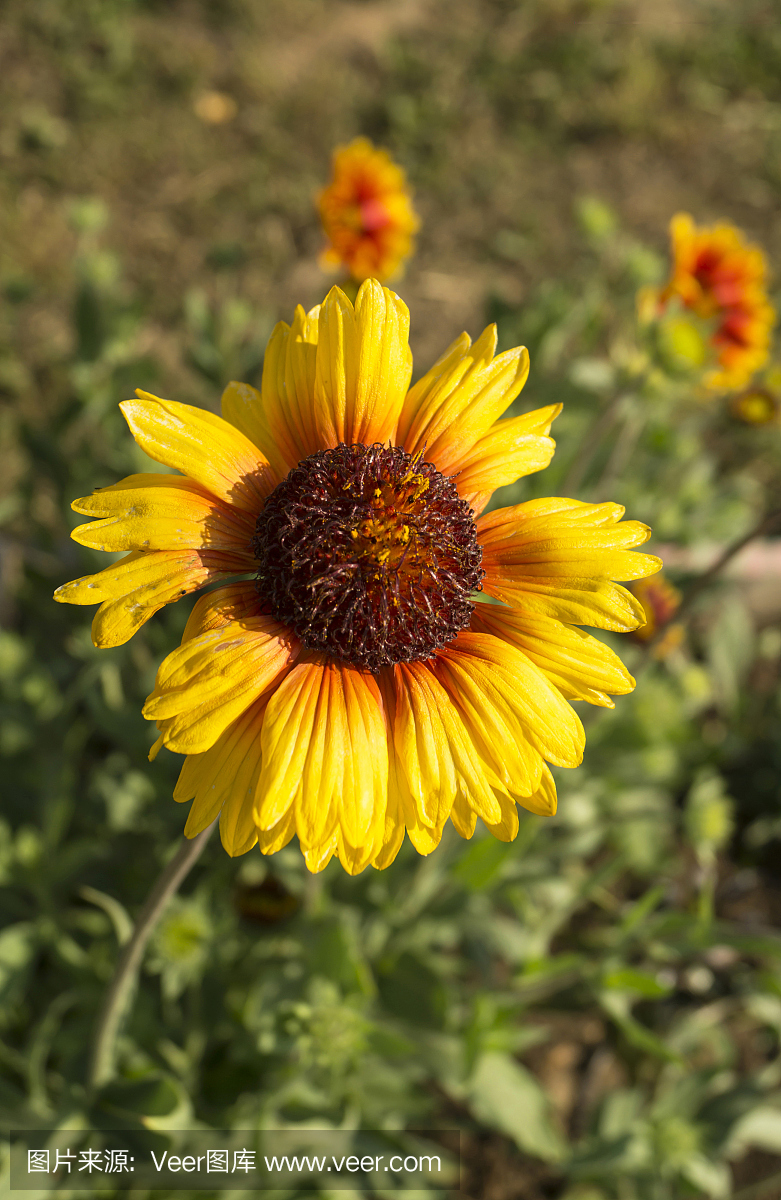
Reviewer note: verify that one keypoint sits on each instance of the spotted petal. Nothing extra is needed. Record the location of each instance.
(163, 512)
(204, 685)
(135, 588)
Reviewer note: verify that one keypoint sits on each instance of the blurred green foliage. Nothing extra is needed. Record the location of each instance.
(596, 1006)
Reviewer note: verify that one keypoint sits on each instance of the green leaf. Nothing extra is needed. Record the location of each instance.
(714, 1179)
(641, 983)
(760, 1128)
(17, 946)
(505, 1096)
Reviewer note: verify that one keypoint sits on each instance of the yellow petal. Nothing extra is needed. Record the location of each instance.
(511, 449)
(599, 553)
(318, 857)
(238, 831)
(459, 400)
(300, 368)
(163, 512)
(423, 837)
(135, 588)
(287, 429)
(432, 747)
(505, 755)
(232, 603)
(506, 830)
(287, 736)
(325, 752)
(271, 418)
(272, 840)
(356, 859)
(362, 806)
(559, 558)
(239, 780)
(543, 801)
(202, 812)
(403, 810)
(580, 666)
(582, 602)
(464, 818)
(363, 366)
(393, 831)
(223, 780)
(261, 416)
(459, 368)
(241, 405)
(507, 702)
(423, 398)
(204, 447)
(205, 684)
(278, 440)
(548, 512)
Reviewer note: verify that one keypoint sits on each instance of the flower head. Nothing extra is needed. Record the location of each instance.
(367, 213)
(357, 686)
(721, 279)
(660, 600)
(756, 406)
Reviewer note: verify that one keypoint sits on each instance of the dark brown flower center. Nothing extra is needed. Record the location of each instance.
(368, 554)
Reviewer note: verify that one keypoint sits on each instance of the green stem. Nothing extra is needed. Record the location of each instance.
(706, 898)
(631, 431)
(764, 526)
(591, 443)
(695, 589)
(120, 991)
(39, 1049)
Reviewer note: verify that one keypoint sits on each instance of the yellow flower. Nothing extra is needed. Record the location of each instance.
(721, 279)
(367, 213)
(756, 406)
(354, 688)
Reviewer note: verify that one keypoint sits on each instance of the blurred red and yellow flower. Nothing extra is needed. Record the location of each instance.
(353, 689)
(367, 213)
(660, 600)
(722, 279)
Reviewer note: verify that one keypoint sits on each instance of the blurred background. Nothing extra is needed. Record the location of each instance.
(596, 1006)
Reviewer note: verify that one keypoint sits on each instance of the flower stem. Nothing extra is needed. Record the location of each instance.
(120, 991)
(629, 435)
(702, 581)
(591, 443)
(695, 589)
